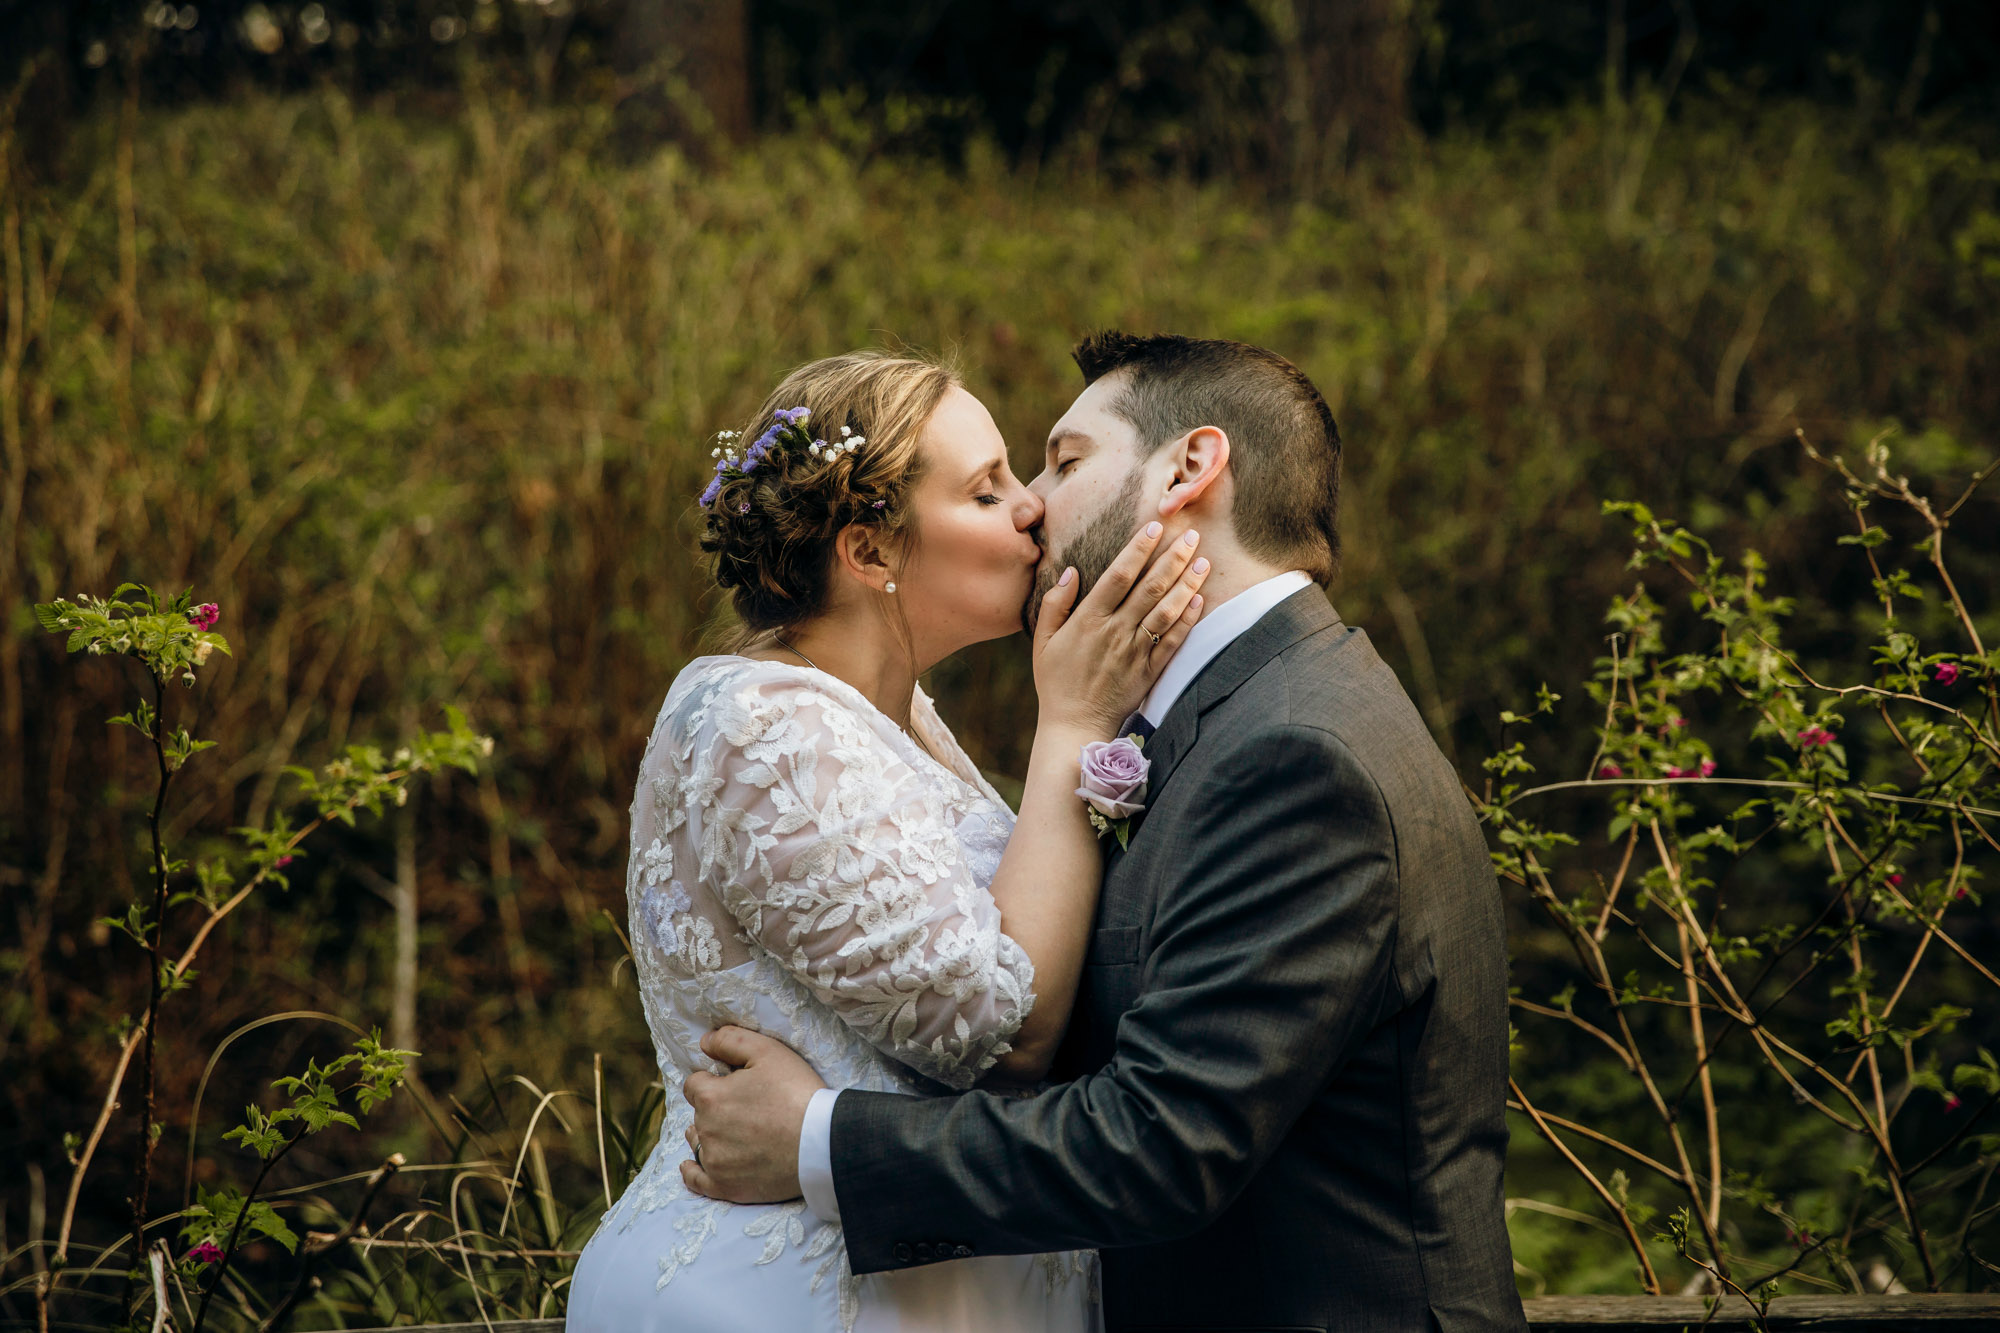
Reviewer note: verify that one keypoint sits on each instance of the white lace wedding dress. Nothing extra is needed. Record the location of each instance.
(801, 866)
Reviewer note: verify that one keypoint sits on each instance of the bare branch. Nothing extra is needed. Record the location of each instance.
(318, 1248)
(1647, 1277)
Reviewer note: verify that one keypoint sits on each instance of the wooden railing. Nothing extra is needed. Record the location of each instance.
(1641, 1314)
(1821, 1314)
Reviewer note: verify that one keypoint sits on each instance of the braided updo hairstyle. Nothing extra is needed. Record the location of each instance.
(770, 534)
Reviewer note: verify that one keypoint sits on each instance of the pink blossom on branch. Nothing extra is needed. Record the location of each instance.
(1814, 736)
(203, 617)
(208, 1252)
(1946, 673)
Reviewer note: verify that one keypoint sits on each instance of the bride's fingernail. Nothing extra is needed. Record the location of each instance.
(1152, 529)
(1194, 602)
(1201, 565)
(1067, 575)
(1192, 537)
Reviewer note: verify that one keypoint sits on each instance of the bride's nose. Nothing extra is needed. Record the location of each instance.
(1028, 510)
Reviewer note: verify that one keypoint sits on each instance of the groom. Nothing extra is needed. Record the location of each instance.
(1286, 1068)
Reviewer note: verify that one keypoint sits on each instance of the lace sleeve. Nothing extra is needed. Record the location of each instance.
(837, 857)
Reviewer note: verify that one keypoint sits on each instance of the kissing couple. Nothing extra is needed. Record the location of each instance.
(1212, 1034)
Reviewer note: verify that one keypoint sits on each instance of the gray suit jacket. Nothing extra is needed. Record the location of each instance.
(1288, 1061)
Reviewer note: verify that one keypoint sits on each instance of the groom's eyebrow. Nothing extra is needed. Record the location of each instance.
(1065, 433)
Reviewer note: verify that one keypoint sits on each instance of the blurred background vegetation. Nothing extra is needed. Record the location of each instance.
(397, 328)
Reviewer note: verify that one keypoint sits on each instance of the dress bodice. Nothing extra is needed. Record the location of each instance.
(803, 867)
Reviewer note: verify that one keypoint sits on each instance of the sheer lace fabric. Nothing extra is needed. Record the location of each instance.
(801, 866)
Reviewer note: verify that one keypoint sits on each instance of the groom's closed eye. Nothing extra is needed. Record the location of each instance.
(1066, 447)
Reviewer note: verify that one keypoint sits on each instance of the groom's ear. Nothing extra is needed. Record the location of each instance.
(1199, 458)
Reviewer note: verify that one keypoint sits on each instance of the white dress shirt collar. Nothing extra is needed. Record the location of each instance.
(1216, 631)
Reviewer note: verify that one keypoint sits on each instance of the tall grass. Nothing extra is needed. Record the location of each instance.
(419, 399)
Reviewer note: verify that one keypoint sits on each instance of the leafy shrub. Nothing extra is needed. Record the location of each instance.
(1785, 945)
(171, 639)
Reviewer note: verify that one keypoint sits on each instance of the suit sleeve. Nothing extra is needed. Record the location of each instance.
(1270, 951)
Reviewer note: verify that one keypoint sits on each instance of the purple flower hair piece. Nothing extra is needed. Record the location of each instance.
(786, 433)
(762, 447)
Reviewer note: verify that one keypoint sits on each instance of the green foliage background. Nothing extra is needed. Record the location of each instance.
(421, 399)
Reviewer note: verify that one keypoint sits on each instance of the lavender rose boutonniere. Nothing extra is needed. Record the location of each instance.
(1114, 784)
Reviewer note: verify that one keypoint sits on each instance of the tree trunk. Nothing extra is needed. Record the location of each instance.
(403, 994)
(689, 66)
(1347, 72)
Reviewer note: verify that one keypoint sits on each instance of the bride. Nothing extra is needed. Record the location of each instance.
(814, 856)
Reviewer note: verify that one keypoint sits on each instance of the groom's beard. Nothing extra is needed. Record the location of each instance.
(1091, 550)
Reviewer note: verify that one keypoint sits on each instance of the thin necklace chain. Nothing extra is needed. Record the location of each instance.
(914, 738)
(780, 641)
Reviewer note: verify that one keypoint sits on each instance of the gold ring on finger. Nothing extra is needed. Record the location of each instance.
(1154, 637)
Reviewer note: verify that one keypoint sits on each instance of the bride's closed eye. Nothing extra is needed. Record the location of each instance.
(987, 499)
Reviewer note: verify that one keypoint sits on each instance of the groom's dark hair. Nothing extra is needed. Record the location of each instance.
(1284, 445)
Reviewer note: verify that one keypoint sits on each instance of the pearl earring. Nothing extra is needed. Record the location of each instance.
(888, 587)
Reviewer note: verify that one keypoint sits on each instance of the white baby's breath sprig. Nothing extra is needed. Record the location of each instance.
(786, 435)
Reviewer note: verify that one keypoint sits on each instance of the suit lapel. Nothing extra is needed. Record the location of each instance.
(1304, 613)
(1174, 738)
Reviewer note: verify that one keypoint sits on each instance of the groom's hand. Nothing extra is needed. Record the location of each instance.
(747, 1122)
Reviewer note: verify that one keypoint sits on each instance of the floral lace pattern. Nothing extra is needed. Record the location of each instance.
(801, 866)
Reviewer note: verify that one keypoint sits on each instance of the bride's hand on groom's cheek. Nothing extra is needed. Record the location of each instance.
(747, 1122)
(1095, 658)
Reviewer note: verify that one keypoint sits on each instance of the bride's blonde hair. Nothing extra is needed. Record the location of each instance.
(769, 532)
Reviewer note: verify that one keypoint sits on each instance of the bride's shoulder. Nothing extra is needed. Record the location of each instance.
(707, 682)
(723, 669)
(738, 693)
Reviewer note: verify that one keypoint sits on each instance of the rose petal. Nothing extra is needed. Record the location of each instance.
(1109, 807)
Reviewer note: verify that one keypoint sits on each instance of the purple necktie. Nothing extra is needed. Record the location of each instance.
(1136, 725)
